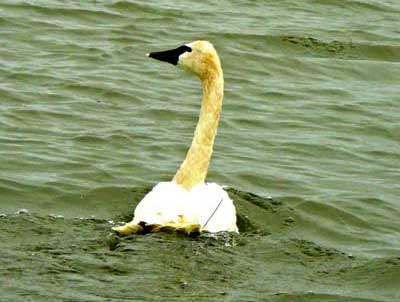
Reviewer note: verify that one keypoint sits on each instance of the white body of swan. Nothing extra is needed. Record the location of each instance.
(188, 203)
(206, 205)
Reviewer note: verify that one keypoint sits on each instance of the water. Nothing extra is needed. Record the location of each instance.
(311, 118)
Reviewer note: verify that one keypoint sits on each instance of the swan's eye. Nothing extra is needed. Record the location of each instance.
(186, 48)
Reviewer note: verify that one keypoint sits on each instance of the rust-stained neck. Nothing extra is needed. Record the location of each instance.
(194, 168)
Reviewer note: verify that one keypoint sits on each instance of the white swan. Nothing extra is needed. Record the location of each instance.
(187, 203)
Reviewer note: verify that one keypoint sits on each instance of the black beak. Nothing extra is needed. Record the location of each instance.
(170, 56)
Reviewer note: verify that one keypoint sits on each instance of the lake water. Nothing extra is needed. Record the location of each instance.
(309, 145)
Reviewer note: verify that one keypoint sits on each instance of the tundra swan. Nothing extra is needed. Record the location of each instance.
(188, 204)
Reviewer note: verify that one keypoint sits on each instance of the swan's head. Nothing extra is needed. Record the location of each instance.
(198, 57)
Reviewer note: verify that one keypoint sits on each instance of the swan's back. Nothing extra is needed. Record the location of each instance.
(206, 204)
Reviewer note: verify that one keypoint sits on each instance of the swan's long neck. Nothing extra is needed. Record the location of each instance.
(194, 169)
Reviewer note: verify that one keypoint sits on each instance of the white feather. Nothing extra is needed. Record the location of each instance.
(206, 204)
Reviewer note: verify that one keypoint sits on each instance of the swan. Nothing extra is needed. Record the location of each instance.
(188, 204)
